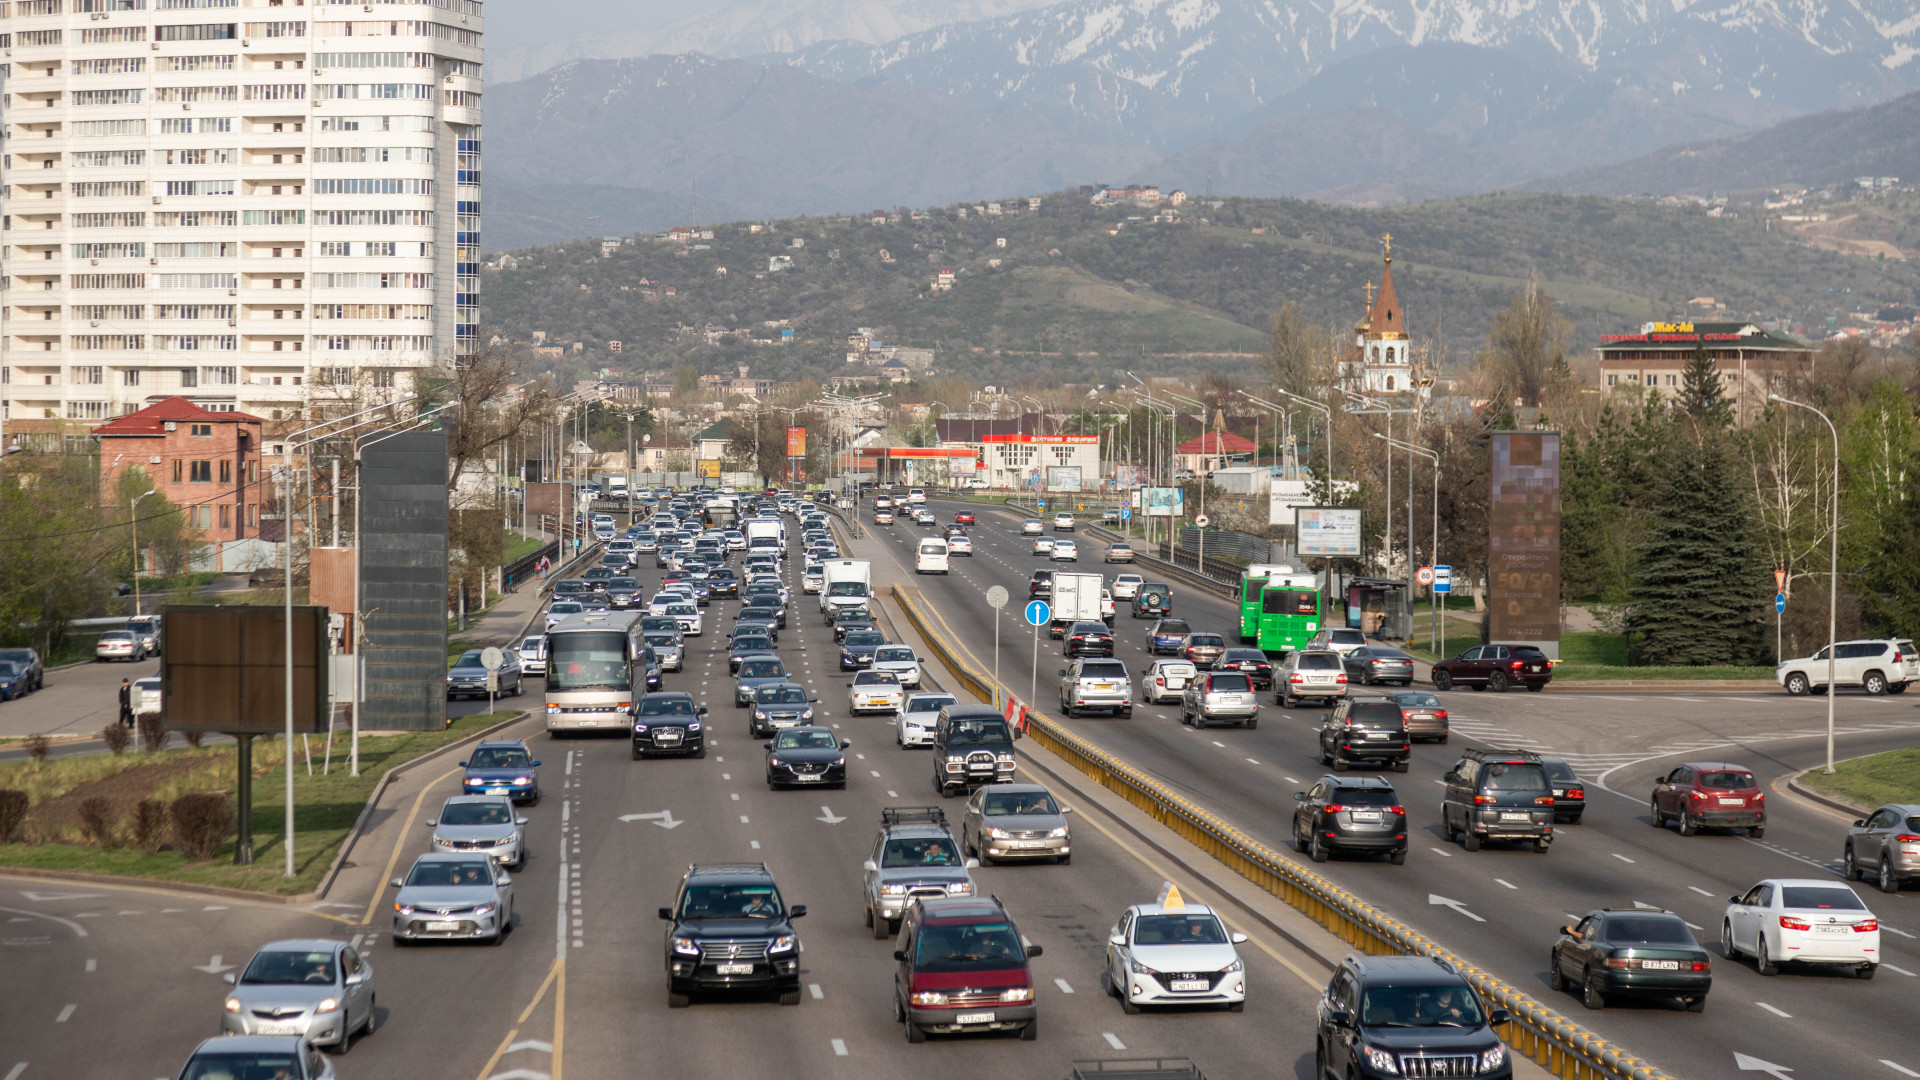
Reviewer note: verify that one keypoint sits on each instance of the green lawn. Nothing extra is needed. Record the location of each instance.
(325, 806)
(1892, 777)
(519, 546)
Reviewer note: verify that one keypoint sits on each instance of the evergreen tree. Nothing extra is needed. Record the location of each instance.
(1701, 396)
(1699, 581)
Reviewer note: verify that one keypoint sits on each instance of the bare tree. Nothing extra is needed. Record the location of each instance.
(1298, 351)
(1527, 347)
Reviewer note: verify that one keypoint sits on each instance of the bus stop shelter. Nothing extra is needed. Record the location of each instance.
(1379, 607)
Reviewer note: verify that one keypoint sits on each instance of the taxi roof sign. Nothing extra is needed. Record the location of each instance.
(1170, 898)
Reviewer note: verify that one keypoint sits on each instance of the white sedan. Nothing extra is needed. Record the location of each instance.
(687, 615)
(875, 691)
(900, 660)
(1127, 586)
(1032, 527)
(1176, 955)
(1063, 522)
(1805, 920)
(960, 544)
(1065, 551)
(916, 722)
(1043, 545)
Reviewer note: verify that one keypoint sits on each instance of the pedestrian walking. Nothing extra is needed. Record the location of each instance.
(126, 702)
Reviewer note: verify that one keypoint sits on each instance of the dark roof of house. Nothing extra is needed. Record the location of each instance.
(1712, 335)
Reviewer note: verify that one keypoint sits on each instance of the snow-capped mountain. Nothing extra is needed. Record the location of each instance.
(1173, 71)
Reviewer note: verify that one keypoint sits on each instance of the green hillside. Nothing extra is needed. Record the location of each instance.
(1069, 299)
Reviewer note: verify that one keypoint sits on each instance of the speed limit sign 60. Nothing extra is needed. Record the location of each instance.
(1424, 575)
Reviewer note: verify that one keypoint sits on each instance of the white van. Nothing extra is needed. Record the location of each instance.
(931, 558)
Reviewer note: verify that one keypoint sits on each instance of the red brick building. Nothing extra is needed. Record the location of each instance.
(207, 463)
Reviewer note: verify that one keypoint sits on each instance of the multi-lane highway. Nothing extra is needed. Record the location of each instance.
(114, 981)
(1507, 903)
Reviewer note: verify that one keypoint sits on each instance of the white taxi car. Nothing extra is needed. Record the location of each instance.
(875, 691)
(1174, 953)
(1801, 920)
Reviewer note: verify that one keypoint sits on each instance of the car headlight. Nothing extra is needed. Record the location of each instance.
(960, 888)
(1237, 965)
(475, 781)
(893, 890)
(523, 779)
(483, 909)
(693, 725)
(1382, 1060)
(1006, 759)
(929, 997)
(327, 1005)
(1017, 993)
(639, 729)
(686, 946)
(441, 841)
(1139, 968)
(842, 760)
(233, 1005)
(783, 943)
(1493, 1059)
(806, 715)
(1058, 833)
(998, 834)
(759, 714)
(775, 761)
(402, 908)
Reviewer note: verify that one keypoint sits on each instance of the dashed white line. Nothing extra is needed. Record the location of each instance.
(1901, 1069)
(726, 776)
(65, 1014)
(1065, 987)
(1252, 762)
(94, 965)
(14, 1073)
(1774, 1011)
(1218, 743)
(893, 794)
(839, 1048)
(743, 819)
(1621, 857)
(1113, 1040)
(1442, 853)
(1507, 883)
(1291, 780)
(755, 843)
(814, 989)
(875, 772)
(1700, 890)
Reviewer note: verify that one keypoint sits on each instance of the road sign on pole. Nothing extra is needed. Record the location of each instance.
(1202, 521)
(996, 599)
(1779, 581)
(1126, 513)
(1779, 602)
(1424, 575)
(1038, 613)
(1443, 579)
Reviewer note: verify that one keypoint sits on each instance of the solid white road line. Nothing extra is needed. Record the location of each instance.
(1621, 857)
(1774, 1011)
(1901, 1069)
(1507, 883)
(1442, 854)
(14, 1073)
(1897, 970)
(1700, 890)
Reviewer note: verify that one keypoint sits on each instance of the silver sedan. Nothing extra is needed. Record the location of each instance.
(481, 825)
(321, 990)
(453, 896)
(1016, 821)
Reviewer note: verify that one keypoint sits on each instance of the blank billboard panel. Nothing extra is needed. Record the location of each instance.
(403, 580)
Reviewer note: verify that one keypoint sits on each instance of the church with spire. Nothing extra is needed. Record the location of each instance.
(1381, 360)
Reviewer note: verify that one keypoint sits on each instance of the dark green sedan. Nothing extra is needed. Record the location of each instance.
(1631, 953)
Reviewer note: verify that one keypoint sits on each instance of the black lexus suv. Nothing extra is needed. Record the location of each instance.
(1400, 1016)
(730, 930)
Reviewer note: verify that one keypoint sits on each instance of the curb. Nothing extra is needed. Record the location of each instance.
(379, 789)
(81, 877)
(1831, 802)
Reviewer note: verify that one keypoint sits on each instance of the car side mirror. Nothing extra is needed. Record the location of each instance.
(1116, 939)
(504, 879)
(1299, 796)
(798, 911)
(920, 659)
(768, 745)
(1659, 780)
(900, 955)
(395, 883)
(356, 978)
(535, 765)
(1859, 824)
(229, 978)
(1736, 900)
(869, 866)
(811, 698)
(1063, 673)
(1066, 809)
(703, 710)
(1497, 1017)
(1340, 1018)
(667, 914)
(431, 822)
(1034, 950)
(845, 743)
(463, 764)
(519, 821)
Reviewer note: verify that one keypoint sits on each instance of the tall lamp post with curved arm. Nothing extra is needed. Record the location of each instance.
(1833, 563)
(133, 523)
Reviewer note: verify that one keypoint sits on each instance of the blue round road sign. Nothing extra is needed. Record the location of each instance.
(1779, 602)
(1038, 613)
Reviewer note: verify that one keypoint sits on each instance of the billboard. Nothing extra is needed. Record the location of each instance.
(708, 468)
(403, 581)
(225, 669)
(1523, 547)
(1284, 497)
(796, 442)
(1166, 502)
(1063, 478)
(1327, 532)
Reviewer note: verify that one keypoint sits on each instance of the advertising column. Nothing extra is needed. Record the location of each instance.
(796, 454)
(1523, 549)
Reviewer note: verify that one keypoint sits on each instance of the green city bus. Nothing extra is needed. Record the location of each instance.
(1254, 613)
(1289, 612)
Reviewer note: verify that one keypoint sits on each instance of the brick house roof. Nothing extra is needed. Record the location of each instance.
(153, 419)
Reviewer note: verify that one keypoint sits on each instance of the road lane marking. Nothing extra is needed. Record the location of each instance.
(1291, 780)
(1774, 1011)
(1621, 857)
(393, 859)
(743, 819)
(893, 794)
(1251, 761)
(14, 1073)
(65, 1014)
(1901, 1069)
(1113, 1040)
(1507, 883)
(726, 776)
(735, 796)
(1891, 930)
(814, 989)
(1218, 743)
(1441, 852)
(839, 1048)
(1064, 986)
(1900, 970)
(1701, 891)
(755, 843)
(94, 965)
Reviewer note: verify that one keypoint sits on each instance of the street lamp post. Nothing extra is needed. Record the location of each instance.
(629, 470)
(134, 524)
(1833, 565)
(1434, 552)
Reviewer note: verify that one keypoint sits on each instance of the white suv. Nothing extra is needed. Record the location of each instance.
(1879, 666)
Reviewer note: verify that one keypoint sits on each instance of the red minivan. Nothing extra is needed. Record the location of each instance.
(1710, 795)
(960, 966)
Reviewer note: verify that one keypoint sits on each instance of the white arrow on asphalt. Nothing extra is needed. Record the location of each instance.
(828, 816)
(664, 819)
(1754, 1064)
(1441, 901)
(530, 1044)
(214, 967)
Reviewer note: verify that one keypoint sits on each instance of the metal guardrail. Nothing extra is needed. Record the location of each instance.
(1227, 584)
(517, 571)
(1564, 1048)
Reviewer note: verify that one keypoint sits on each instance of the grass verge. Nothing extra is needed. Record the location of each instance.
(1892, 777)
(325, 806)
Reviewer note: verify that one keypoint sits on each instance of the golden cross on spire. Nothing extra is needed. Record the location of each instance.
(1387, 239)
(1369, 287)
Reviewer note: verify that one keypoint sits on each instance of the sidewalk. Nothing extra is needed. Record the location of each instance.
(507, 621)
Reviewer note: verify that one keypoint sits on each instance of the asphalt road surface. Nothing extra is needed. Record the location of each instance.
(1504, 905)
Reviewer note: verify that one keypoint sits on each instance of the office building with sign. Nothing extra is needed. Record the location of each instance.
(1750, 361)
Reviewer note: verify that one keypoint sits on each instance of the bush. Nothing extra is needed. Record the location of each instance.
(38, 745)
(116, 736)
(97, 815)
(13, 811)
(153, 733)
(194, 738)
(200, 822)
(149, 825)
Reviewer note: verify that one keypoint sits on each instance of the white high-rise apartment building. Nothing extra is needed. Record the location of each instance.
(251, 203)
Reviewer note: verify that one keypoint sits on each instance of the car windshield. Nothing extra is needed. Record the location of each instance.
(476, 813)
(681, 608)
(966, 946)
(1416, 701)
(566, 607)
(1647, 930)
(623, 583)
(499, 757)
(926, 851)
(932, 703)
(866, 637)
(1820, 898)
(781, 695)
(283, 966)
(762, 669)
(116, 635)
(8, 668)
(730, 902)
(1515, 776)
(1728, 780)
(805, 740)
(752, 643)
(660, 640)
(451, 873)
(1178, 930)
(1420, 1006)
(666, 706)
(1369, 714)
(1347, 637)
(978, 732)
(876, 678)
(470, 658)
(264, 1065)
(894, 652)
(1018, 803)
(1172, 626)
(1317, 662)
(1363, 797)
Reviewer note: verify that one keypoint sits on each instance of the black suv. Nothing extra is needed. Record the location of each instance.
(1632, 952)
(1498, 795)
(972, 745)
(1089, 639)
(1373, 731)
(1350, 813)
(669, 722)
(1040, 584)
(730, 930)
(1396, 1016)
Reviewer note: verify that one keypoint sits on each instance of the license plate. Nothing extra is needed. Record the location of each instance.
(974, 1018)
(496, 791)
(1366, 815)
(1661, 965)
(1103, 686)
(1514, 817)
(1830, 929)
(589, 723)
(1188, 984)
(439, 927)
(279, 1029)
(1376, 735)
(1558, 793)
(1732, 802)
(666, 740)
(1027, 844)
(804, 777)
(734, 969)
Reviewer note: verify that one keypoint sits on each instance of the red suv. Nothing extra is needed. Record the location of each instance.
(960, 967)
(1710, 795)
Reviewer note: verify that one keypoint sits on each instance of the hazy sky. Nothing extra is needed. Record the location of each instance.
(533, 22)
